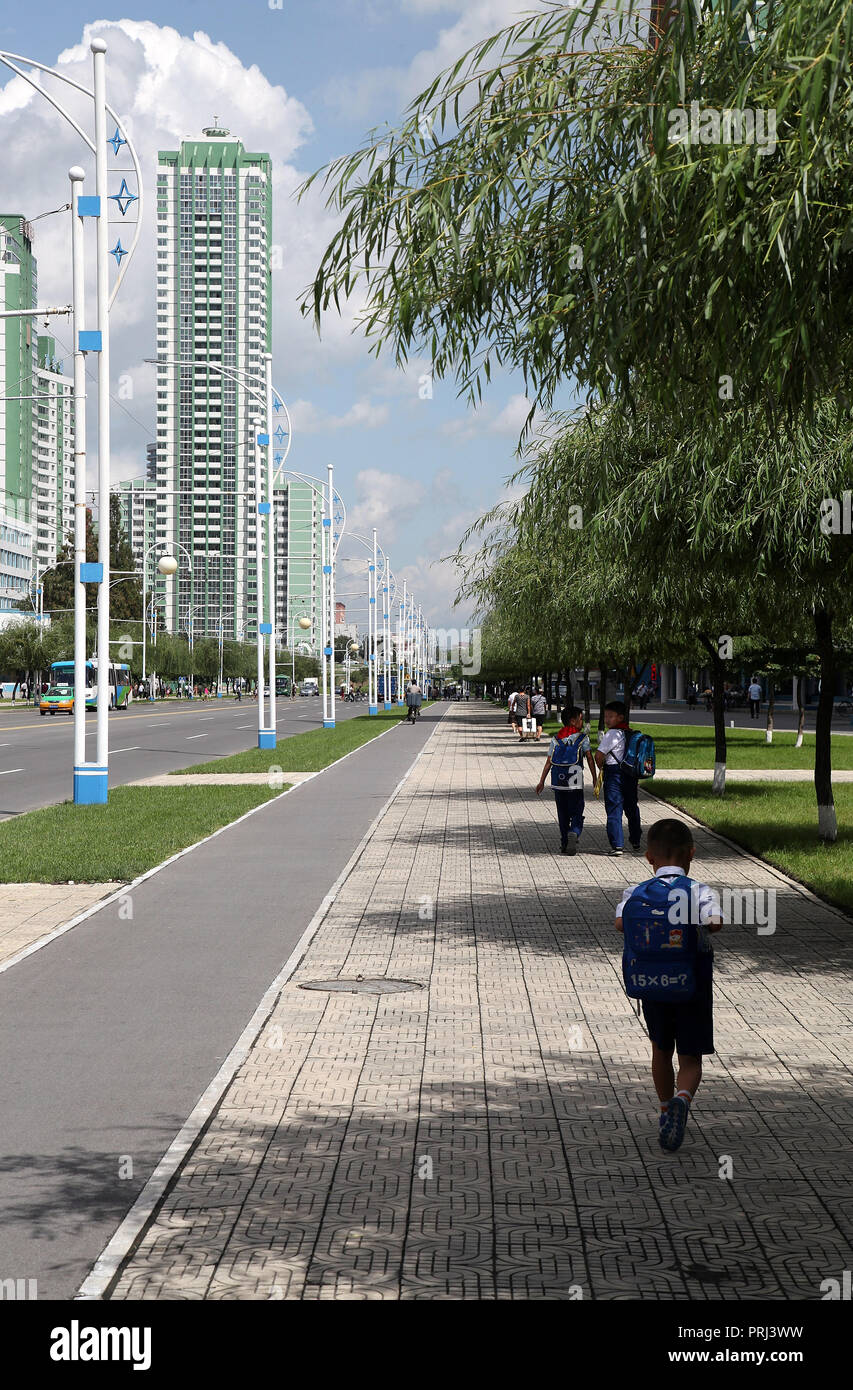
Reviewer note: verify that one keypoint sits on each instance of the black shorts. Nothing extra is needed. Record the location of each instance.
(688, 1027)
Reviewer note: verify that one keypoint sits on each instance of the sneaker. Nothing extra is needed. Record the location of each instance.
(571, 845)
(564, 849)
(673, 1124)
(636, 848)
(615, 853)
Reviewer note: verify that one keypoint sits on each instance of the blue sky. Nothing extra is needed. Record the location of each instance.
(305, 82)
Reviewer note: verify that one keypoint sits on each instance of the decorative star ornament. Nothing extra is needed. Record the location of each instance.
(119, 252)
(123, 198)
(116, 141)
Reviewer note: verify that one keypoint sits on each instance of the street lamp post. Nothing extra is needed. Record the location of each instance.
(91, 779)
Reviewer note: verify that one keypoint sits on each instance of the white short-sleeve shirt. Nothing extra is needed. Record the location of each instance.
(612, 742)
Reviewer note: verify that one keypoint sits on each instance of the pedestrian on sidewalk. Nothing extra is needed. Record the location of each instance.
(620, 786)
(565, 763)
(510, 705)
(521, 712)
(538, 710)
(754, 692)
(667, 923)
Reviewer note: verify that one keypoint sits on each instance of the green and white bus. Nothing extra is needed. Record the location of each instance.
(62, 673)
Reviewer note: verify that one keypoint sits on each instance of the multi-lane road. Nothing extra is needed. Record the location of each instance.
(36, 753)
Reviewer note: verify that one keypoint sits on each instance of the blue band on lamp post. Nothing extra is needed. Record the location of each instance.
(327, 569)
(89, 205)
(327, 651)
(263, 508)
(263, 439)
(91, 573)
(89, 340)
(266, 629)
(266, 738)
(90, 784)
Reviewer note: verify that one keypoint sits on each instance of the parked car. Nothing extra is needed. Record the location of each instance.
(58, 698)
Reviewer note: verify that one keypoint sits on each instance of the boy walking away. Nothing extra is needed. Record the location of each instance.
(565, 763)
(754, 692)
(620, 786)
(668, 964)
(538, 709)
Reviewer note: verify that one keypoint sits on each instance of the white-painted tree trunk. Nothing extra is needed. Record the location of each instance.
(768, 735)
(799, 742)
(827, 823)
(719, 779)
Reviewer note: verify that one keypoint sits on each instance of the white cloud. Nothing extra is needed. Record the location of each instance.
(167, 86)
(359, 97)
(386, 501)
(308, 419)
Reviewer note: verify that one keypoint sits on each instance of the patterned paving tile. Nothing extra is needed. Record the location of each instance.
(495, 1136)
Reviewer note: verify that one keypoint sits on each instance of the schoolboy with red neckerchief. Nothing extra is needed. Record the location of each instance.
(620, 788)
(569, 800)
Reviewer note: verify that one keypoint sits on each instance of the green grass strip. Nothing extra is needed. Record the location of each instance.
(308, 752)
(690, 746)
(777, 822)
(137, 829)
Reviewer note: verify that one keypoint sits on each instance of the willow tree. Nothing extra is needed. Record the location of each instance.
(724, 529)
(572, 200)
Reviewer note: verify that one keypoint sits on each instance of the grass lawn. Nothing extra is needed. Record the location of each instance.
(309, 752)
(778, 822)
(138, 828)
(689, 746)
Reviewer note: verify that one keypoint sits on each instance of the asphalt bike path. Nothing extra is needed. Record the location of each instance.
(110, 1033)
(146, 740)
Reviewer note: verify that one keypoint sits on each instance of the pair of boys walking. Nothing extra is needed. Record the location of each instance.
(567, 751)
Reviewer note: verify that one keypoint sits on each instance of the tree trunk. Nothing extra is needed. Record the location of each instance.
(771, 701)
(586, 697)
(629, 682)
(826, 818)
(602, 693)
(801, 711)
(718, 672)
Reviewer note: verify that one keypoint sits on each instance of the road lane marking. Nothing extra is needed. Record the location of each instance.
(134, 748)
(190, 737)
(163, 725)
(6, 771)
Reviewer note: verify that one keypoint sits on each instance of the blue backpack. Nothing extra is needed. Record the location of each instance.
(566, 765)
(639, 755)
(659, 955)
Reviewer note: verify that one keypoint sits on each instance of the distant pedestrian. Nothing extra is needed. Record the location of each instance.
(510, 718)
(565, 763)
(538, 710)
(641, 693)
(521, 711)
(620, 786)
(668, 964)
(754, 692)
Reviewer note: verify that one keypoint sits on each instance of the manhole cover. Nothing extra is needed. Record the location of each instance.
(358, 984)
(704, 1274)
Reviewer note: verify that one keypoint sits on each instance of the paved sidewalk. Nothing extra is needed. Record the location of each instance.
(494, 1134)
(29, 911)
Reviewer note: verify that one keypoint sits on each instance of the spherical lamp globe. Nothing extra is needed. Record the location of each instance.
(167, 564)
(304, 623)
(353, 646)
